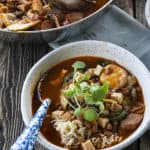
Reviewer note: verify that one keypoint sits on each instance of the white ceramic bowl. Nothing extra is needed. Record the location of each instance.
(88, 48)
(147, 11)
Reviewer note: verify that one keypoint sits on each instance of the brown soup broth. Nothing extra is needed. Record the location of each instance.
(53, 92)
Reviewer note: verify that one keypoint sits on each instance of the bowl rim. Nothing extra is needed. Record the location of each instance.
(147, 12)
(61, 27)
(124, 143)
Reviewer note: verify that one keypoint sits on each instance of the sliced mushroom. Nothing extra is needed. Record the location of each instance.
(37, 5)
(24, 7)
(22, 25)
(33, 15)
(6, 19)
(46, 9)
(3, 8)
(56, 20)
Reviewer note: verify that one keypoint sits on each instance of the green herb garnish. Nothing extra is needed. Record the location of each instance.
(68, 93)
(101, 106)
(84, 86)
(90, 114)
(78, 65)
(99, 92)
(91, 94)
(78, 111)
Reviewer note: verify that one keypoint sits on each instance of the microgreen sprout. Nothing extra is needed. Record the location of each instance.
(90, 114)
(91, 94)
(76, 66)
(70, 105)
(78, 111)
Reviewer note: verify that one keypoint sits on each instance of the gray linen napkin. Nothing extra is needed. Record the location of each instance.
(117, 27)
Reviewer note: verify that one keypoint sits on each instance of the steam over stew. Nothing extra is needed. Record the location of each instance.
(96, 103)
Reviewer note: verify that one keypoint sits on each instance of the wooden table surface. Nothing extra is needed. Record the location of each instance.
(16, 60)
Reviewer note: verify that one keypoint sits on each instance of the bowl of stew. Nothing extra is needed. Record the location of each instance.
(48, 20)
(99, 92)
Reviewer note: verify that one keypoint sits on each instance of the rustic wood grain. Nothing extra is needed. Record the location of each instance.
(145, 141)
(16, 60)
(126, 5)
(140, 11)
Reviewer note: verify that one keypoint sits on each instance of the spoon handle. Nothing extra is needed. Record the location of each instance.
(28, 137)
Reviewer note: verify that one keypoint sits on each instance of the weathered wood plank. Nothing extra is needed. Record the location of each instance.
(16, 60)
(144, 141)
(3, 71)
(134, 146)
(126, 5)
(140, 11)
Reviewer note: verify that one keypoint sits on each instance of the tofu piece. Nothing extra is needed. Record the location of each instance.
(90, 72)
(78, 76)
(98, 70)
(102, 122)
(118, 97)
(88, 145)
(57, 114)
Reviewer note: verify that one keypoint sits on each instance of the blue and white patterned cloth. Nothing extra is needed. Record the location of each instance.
(29, 135)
